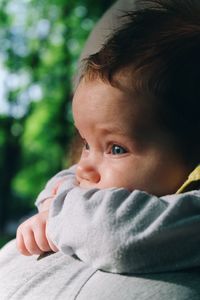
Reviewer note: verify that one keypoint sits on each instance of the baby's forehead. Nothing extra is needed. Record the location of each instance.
(121, 84)
(111, 107)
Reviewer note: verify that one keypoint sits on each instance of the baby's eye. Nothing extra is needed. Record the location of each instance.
(118, 150)
(86, 145)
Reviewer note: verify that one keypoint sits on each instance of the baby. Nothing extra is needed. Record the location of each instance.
(136, 109)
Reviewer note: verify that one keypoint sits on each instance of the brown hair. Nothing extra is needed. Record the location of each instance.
(159, 46)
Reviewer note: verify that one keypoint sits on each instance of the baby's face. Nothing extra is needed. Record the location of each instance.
(114, 154)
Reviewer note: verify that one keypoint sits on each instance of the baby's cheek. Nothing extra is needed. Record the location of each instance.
(115, 177)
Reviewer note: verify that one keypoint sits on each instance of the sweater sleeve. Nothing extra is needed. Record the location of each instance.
(67, 179)
(122, 232)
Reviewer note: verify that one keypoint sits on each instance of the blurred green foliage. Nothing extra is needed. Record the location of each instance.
(40, 42)
(4, 240)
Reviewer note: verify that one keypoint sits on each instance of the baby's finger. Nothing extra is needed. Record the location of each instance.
(41, 240)
(52, 246)
(20, 244)
(30, 243)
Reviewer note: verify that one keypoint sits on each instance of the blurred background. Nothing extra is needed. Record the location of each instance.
(40, 43)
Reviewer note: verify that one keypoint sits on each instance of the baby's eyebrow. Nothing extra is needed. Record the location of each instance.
(114, 130)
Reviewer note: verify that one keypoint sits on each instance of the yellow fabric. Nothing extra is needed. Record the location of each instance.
(194, 176)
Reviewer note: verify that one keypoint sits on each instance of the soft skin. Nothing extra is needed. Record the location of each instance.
(115, 153)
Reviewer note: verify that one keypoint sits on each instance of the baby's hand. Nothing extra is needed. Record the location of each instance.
(47, 202)
(31, 236)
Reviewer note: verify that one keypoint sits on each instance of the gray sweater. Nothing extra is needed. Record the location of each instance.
(62, 277)
(153, 241)
(113, 230)
(124, 232)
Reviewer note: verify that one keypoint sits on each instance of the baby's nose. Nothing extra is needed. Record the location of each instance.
(87, 171)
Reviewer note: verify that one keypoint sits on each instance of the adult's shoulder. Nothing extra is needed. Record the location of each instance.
(166, 286)
(58, 276)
